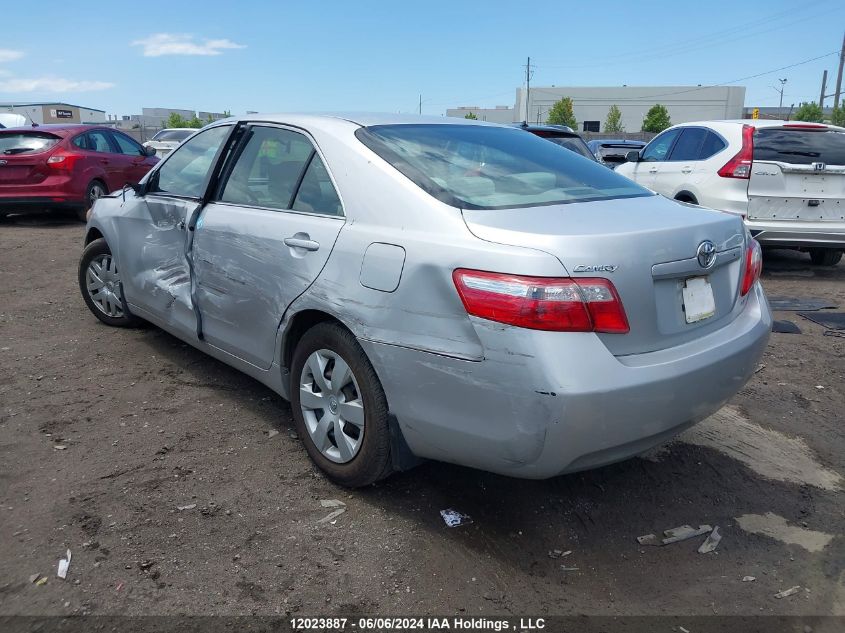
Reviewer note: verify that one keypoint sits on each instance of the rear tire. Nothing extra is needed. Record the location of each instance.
(825, 256)
(96, 189)
(361, 454)
(101, 288)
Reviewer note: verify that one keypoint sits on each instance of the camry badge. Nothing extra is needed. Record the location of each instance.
(598, 268)
(706, 254)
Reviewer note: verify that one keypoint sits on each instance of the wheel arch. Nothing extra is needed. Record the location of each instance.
(686, 196)
(297, 325)
(93, 234)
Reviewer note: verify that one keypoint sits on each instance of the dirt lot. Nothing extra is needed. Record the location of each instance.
(106, 433)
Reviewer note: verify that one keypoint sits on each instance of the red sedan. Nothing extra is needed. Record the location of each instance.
(66, 166)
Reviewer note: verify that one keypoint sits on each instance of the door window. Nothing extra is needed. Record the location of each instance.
(659, 148)
(187, 169)
(688, 146)
(126, 145)
(270, 168)
(94, 141)
(317, 194)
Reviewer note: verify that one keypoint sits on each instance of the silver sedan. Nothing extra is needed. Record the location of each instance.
(435, 288)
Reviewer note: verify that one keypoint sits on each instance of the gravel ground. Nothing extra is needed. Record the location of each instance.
(180, 488)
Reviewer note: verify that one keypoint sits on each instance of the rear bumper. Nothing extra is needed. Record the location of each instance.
(544, 403)
(793, 234)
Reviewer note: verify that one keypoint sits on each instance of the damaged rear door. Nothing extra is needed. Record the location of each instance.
(262, 239)
(156, 235)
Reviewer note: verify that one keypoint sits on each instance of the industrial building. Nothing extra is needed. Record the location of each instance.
(42, 112)
(591, 104)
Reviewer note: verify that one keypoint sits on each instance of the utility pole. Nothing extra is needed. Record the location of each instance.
(528, 90)
(824, 87)
(420, 104)
(780, 103)
(839, 75)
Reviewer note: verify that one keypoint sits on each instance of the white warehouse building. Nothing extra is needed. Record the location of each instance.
(591, 104)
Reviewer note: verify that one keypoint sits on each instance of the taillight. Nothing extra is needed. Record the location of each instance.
(753, 267)
(63, 160)
(559, 304)
(740, 165)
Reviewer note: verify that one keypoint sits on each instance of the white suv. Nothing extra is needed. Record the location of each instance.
(786, 179)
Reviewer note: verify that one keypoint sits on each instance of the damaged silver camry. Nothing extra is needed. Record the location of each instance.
(428, 288)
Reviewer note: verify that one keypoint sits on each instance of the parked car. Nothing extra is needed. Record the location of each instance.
(786, 179)
(166, 140)
(421, 288)
(66, 166)
(613, 152)
(8, 119)
(562, 135)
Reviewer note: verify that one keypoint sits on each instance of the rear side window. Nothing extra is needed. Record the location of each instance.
(186, 170)
(26, 143)
(800, 146)
(573, 144)
(316, 193)
(94, 141)
(488, 167)
(713, 144)
(172, 135)
(689, 143)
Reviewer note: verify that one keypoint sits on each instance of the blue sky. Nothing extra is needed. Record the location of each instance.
(380, 56)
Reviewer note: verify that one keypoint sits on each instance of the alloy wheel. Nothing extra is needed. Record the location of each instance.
(103, 284)
(332, 406)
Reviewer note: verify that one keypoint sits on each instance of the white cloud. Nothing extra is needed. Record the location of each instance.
(51, 84)
(160, 44)
(8, 55)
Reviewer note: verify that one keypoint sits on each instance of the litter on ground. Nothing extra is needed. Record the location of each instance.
(711, 542)
(339, 506)
(787, 592)
(64, 563)
(453, 518)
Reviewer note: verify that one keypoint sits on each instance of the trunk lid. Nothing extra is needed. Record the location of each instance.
(798, 173)
(23, 156)
(652, 242)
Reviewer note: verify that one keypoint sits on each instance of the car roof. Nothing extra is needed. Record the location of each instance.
(177, 129)
(364, 119)
(759, 123)
(59, 129)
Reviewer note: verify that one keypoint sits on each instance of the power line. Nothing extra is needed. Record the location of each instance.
(724, 83)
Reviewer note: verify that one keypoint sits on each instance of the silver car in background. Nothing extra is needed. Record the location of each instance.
(421, 288)
(166, 140)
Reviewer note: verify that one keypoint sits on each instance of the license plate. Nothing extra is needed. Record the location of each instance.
(698, 299)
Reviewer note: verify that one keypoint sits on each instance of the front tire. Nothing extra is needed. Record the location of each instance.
(99, 282)
(339, 407)
(825, 256)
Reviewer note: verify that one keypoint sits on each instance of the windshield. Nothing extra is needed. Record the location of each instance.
(26, 142)
(481, 167)
(800, 146)
(173, 135)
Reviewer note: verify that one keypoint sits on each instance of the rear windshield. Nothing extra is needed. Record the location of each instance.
(573, 144)
(173, 135)
(481, 167)
(26, 142)
(800, 147)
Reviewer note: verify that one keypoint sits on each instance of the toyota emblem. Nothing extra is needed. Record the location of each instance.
(706, 254)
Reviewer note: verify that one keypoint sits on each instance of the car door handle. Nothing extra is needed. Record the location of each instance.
(652, 171)
(686, 170)
(305, 244)
(105, 161)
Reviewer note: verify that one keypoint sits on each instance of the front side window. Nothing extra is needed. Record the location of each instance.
(689, 143)
(659, 147)
(127, 145)
(481, 167)
(270, 169)
(187, 169)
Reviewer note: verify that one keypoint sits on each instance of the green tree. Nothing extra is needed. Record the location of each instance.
(837, 116)
(561, 113)
(471, 115)
(809, 112)
(656, 119)
(613, 123)
(195, 122)
(176, 120)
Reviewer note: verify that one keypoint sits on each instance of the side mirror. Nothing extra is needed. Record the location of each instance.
(149, 151)
(633, 156)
